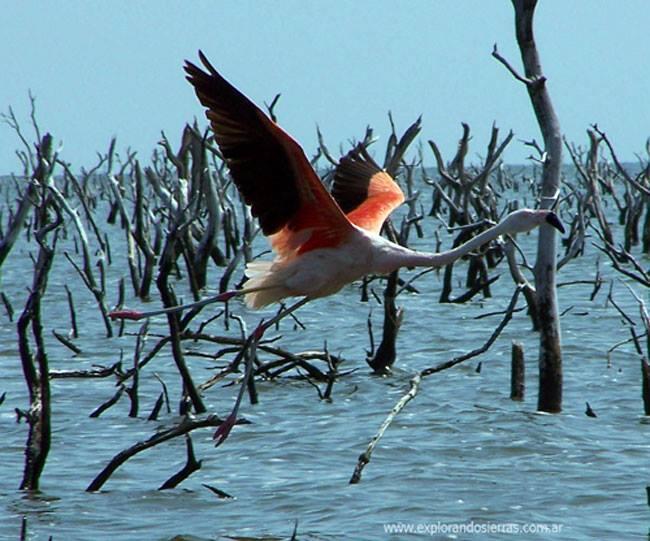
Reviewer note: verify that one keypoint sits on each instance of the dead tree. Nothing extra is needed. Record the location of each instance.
(636, 198)
(589, 172)
(137, 231)
(30, 164)
(550, 351)
(384, 358)
(207, 192)
(472, 205)
(17, 221)
(35, 363)
(176, 325)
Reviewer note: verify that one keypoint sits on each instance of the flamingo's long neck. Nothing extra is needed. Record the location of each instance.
(426, 259)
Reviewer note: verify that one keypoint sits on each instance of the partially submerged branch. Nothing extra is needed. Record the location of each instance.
(184, 427)
(414, 386)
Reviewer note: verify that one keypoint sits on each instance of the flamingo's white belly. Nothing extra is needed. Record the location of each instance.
(319, 272)
(324, 271)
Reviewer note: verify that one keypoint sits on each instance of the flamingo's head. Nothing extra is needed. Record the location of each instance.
(524, 220)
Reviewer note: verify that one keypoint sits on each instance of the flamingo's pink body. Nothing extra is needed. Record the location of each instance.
(322, 242)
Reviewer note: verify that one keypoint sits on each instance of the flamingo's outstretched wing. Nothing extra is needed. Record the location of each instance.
(365, 192)
(269, 168)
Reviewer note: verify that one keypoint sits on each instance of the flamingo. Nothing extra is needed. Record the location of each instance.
(322, 241)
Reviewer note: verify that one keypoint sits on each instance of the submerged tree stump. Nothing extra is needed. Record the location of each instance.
(645, 386)
(518, 371)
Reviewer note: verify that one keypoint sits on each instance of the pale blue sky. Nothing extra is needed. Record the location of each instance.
(108, 68)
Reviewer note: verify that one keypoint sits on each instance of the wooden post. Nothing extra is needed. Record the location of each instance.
(645, 385)
(518, 370)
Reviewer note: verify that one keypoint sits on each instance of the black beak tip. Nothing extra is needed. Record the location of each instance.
(553, 220)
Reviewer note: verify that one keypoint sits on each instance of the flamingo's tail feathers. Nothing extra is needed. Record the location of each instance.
(265, 285)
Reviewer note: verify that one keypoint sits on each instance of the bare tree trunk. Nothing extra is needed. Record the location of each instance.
(168, 297)
(35, 363)
(550, 351)
(383, 359)
(36, 372)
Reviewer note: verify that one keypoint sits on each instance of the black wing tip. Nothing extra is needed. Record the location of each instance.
(206, 63)
(193, 70)
(358, 156)
(553, 220)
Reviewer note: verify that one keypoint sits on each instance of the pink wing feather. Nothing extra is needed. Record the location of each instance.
(270, 169)
(365, 192)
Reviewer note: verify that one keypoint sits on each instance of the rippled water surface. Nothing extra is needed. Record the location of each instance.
(461, 453)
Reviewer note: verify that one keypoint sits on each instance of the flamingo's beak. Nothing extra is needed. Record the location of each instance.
(552, 219)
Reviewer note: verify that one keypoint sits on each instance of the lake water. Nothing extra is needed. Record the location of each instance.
(461, 461)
